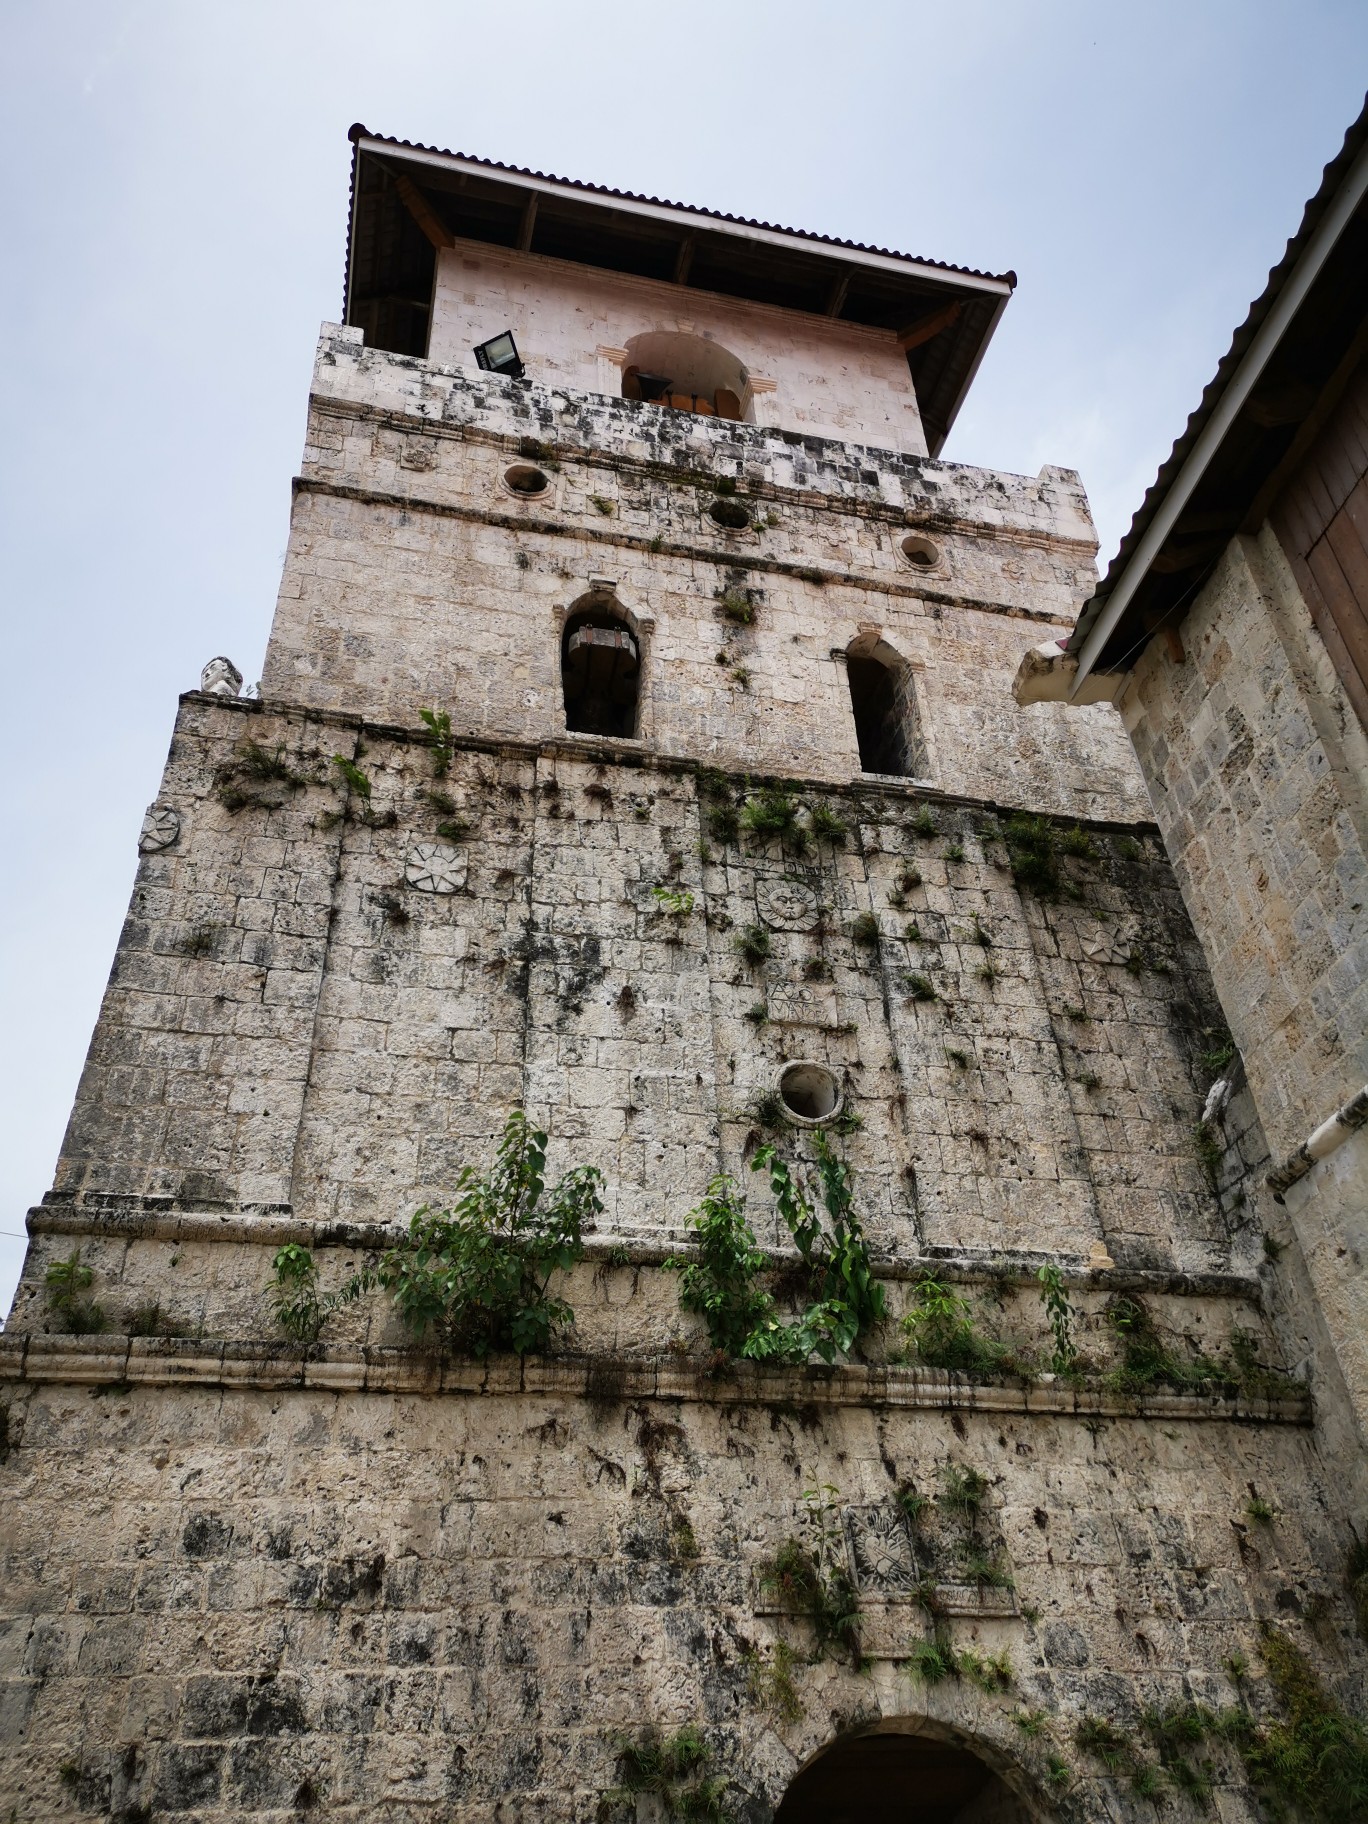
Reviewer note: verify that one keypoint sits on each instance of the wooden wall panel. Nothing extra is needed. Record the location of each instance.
(1321, 519)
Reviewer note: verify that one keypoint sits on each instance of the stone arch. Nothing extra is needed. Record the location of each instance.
(883, 699)
(687, 372)
(601, 667)
(908, 1770)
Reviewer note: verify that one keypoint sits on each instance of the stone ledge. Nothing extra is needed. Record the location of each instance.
(251, 1229)
(117, 1361)
(924, 516)
(869, 581)
(609, 751)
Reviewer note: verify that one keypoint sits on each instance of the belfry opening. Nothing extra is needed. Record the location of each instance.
(885, 710)
(600, 671)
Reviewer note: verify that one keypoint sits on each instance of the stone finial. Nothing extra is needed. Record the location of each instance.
(221, 678)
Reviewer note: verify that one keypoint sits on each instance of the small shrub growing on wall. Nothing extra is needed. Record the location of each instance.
(67, 1286)
(674, 1769)
(940, 1332)
(722, 1285)
(439, 727)
(477, 1275)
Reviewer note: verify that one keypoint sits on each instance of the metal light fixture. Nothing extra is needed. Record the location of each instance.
(500, 356)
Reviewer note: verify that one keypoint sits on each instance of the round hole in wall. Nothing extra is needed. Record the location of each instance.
(731, 514)
(525, 478)
(810, 1093)
(921, 551)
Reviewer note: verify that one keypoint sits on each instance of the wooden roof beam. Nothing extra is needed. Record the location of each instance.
(528, 223)
(684, 259)
(926, 327)
(836, 302)
(422, 211)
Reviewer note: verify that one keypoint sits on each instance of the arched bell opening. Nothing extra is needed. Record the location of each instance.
(884, 702)
(887, 1776)
(687, 373)
(600, 670)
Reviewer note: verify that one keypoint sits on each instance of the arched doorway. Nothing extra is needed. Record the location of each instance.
(600, 669)
(883, 700)
(886, 1776)
(687, 372)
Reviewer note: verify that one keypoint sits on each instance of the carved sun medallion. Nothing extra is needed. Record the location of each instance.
(160, 828)
(787, 904)
(435, 867)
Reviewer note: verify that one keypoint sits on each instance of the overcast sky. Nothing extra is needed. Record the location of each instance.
(172, 227)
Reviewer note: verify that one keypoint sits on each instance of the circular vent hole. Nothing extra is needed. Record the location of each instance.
(809, 1092)
(729, 513)
(526, 478)
(921, 551)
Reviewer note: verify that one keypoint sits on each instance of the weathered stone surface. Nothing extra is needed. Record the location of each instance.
(244, 1579)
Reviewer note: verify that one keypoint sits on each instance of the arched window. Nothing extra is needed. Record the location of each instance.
(688, 373)
(884, 700)
(600, 670)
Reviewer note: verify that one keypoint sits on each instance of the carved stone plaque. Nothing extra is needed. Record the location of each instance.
(881, 1550)
(804, 1004)
(435, 867)
(787, 905)
(160, 828)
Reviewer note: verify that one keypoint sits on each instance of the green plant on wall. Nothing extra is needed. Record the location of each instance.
(439, 727)
(297, 1306)
(254, 776)
(673, 903)
(1059, 1314)
(940, 1331)
(674, 1769)
(810, 1577)
(475, 1276)
(722, 1281)
(1306, 1757)
(772, 1686)
(354, 779)
(66, 1285)
(772, 813)
(1033, 854)
(847, 1300)
(478, 1274)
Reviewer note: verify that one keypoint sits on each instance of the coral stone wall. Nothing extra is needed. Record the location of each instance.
(329, 1003)
(247, 1578)
(1257, 767)
(235, 1598)
(415, 577)
(572, 325)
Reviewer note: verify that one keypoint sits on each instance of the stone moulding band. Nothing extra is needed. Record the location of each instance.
(338, 1368)
(868, 582)
(277, 1229)
(621, 751)
(921, 517)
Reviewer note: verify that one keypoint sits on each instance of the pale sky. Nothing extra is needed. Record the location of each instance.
(173, 226)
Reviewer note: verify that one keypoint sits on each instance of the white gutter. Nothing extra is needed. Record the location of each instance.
(688, 219)
(1242, 383)
(1346, 1121)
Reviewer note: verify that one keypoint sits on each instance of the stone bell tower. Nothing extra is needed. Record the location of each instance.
(635, 746)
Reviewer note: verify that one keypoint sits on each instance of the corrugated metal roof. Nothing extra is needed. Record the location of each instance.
(358, 132)
(1335, 171)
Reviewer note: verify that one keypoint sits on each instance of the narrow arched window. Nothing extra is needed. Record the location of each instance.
(600, 672)
(884, 702)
